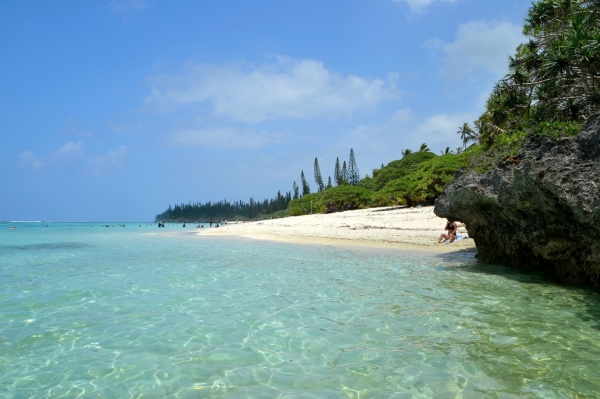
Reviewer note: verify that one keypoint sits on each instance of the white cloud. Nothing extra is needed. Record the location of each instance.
(439, 131)
(128, 5)
(418, 6)
(286, 88)
(112, 159)
(481, 45)
(385, 141)
(70, 149)
(225, 137)
(29, 160)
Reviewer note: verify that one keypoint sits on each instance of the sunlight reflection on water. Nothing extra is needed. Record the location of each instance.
(115, 313)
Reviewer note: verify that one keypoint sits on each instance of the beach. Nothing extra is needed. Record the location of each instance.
(394, 227)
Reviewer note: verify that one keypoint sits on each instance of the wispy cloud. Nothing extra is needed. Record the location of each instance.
(29, 160)
(70, 149)
(111, 159)
(225, 137)
(384, 141)
(71, 156)
(479, 46)
(286, 88)
(419, 6)
(128, 5)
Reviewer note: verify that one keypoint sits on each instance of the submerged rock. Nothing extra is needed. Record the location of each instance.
(537, 210)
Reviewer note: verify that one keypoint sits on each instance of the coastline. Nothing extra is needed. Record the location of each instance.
(393, 228)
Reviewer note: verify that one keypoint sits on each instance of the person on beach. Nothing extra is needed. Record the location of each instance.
(451, 228)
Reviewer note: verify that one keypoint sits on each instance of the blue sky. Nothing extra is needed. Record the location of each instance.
(113, 110)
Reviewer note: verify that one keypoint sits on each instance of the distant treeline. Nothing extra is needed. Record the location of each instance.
(225, 210)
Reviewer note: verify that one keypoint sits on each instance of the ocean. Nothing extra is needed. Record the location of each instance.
(140, 312)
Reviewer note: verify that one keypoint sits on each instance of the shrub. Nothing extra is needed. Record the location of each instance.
(301, 206)
(356, 196)
(427, 182)
(399, 168)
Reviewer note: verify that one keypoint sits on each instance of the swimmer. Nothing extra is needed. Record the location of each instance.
(13, 228)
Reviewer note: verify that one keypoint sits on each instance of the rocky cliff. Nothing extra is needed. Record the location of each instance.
(537, 210)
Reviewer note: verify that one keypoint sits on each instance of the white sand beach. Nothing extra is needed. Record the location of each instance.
(408, 228)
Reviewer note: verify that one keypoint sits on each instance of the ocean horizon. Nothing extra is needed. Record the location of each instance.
(143, 312)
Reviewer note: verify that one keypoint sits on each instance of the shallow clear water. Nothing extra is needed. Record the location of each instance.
(125, 312)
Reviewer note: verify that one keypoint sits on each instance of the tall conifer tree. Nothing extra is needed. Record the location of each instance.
(318, 177)
(337, 173)
(344, 174)
(353, 173)
(305, 186)
(329, 182)
(296, 191)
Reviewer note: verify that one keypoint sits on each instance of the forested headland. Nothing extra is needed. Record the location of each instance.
(552, 87)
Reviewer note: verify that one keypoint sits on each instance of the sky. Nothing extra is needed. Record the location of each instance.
(112, 110)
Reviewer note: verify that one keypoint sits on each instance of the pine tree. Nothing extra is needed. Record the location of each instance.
(296, 191)
(344, 174)
(337, 173)
(305, 186)
(329, 182)
(318, 177)
(353, 173)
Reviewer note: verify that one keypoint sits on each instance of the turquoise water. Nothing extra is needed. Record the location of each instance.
(139, 312)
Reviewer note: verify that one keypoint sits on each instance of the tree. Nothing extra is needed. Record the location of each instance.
(404, 153)
(344, 174)
(337, 173)
(466, 134)
(424, 148)
(305, 186)
(353, 173)
(296, 191)
(554, 76)
(459, 150)
(448, 151)
(318, 178)
(329, 182)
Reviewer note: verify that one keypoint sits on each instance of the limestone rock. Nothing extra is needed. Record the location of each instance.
(537, 210)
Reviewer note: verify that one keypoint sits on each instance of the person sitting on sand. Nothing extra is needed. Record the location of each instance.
(451, 228)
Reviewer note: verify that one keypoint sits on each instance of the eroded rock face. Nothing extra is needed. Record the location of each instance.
(539, 210)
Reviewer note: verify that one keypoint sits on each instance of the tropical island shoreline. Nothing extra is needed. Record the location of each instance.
(414, 228)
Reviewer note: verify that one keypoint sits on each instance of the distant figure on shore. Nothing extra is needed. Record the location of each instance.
(184, 225)
(217, 225)
(13, 228)
(451, 228)
(210, 223)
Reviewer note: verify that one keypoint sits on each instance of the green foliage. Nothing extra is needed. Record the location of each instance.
(222, 210)
(402, 167)
(318, 177)
(558, 129)
(426, 182)
(347, 195)
(553, 84)
(305, 186)
(301, 206)
(367, 182)
(353, 173)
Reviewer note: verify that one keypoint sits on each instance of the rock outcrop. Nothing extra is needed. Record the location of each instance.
(537, 210)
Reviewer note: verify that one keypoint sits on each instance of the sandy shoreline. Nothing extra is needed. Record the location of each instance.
(408, 228)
